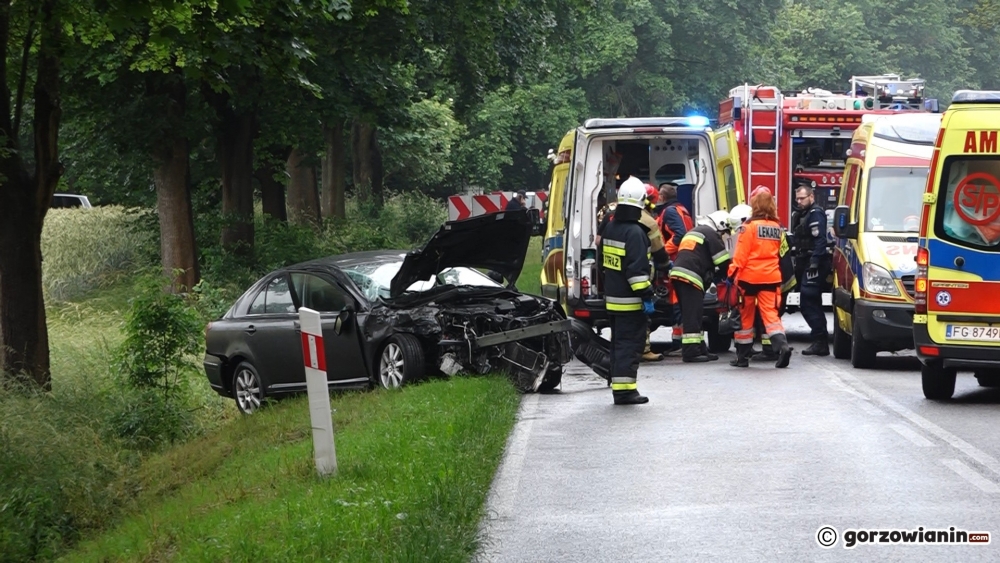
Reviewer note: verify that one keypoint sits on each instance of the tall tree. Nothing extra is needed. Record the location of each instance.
(26, 190)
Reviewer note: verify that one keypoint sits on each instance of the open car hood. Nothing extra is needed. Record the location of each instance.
(497, 242)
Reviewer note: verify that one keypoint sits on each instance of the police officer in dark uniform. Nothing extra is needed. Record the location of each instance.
(814, 259)
(628, 289)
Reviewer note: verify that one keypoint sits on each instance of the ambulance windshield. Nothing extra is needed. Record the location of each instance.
(894, 199)
(969, 204)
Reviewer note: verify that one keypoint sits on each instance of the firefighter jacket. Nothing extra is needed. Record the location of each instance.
(625, 262)
(674, 222)
(810, 235)
(701, 251)
(757, 257)
(656, 249)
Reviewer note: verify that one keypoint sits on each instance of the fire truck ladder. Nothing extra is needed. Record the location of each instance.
(765, 158)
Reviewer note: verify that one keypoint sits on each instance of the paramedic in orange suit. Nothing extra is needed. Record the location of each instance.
(757, 272)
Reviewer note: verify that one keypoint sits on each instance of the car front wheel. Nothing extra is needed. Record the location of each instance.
(841, 341)
(248, 390)
(401, 361)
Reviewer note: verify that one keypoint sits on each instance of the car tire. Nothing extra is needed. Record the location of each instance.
(401, 361)
(862, 352)
(717, 343)
(552, 379)
(937, 381)
(841, 341)
(248, 388)
(988, 378)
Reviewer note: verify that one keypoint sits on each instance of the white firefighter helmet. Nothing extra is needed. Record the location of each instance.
(718, 220)
(740, 214)
(632, 192)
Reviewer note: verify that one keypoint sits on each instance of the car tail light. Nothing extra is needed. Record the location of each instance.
(930, 351)
(581, 313)
(920, 283)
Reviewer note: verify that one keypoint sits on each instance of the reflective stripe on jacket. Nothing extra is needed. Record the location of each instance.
(758, 252)
(626, 266)
(701, 251)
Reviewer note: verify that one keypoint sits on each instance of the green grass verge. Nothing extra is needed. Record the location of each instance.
(415, 468)
(530, 279)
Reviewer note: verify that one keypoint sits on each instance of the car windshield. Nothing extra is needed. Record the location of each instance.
(895, 196)
(373, 278)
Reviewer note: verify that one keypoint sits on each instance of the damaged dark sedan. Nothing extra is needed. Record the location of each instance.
(391, 317)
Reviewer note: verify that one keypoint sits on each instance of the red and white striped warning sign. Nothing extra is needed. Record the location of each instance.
(466, 206)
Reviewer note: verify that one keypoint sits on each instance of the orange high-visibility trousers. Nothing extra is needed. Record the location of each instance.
(767, 302)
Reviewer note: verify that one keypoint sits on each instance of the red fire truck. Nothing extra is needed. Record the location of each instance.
(786, 138)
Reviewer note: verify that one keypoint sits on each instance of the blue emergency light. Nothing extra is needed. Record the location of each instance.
(698, 121)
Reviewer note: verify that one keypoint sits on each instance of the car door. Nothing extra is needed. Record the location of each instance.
(273, 338)
(344, 359)
(727, 168)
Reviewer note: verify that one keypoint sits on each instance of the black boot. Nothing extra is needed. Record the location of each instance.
(629, 398)
(818, 348)
(784, 352)
(705, 352)
(692, 353)
(766, 354)
(742, 356)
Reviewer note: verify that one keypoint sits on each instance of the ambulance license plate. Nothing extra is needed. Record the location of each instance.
(965, 332)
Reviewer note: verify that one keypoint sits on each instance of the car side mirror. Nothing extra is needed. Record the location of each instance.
(342, 319)
(841, 227)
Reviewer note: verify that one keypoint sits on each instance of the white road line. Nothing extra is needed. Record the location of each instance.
(971, 476)
(981, 457)
(864, 403)
(911, 435)
(504, 490)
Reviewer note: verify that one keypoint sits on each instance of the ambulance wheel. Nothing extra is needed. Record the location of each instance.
(938, 382)
(862, 351)
(988, 377)
(841, 341)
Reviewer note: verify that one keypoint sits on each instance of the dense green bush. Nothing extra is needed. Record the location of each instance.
(163, 337)
(83, 249)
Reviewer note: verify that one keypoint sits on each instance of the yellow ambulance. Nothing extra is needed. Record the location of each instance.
(957, 320)
(876, 223)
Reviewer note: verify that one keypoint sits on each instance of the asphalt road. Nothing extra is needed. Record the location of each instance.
(747, 465)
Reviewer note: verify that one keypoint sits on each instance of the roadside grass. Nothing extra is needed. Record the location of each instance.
(415, 467)
(530, 279)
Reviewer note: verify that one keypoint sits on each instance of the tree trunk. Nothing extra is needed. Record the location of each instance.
(272, 191)
(24, 201)
(367, 164)
(235, 134)
(178, 252)
(303, 193)
(334, 171)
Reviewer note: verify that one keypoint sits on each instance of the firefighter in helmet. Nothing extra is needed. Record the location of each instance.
(659, 255)
(701, 252)
(628, 289)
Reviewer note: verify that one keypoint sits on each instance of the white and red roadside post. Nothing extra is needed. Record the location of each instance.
(314, 357)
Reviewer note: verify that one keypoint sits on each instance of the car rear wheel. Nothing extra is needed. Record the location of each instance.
(988, 377)
(248, 389)
(841, 341)
(862, 352)
(401, 361)
(938, 382)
